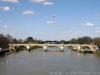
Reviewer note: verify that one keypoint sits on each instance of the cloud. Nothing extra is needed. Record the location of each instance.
(89, 24)
(28, 12)
(50, 22)
(5, 8)
(11, 1)
(5, 26)
(44, 2)
(48, 3)
(38, 1)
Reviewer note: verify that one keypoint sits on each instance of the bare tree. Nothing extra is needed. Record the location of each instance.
(9, 37)
(3, 41)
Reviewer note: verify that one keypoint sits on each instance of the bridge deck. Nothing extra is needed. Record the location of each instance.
(74, 46)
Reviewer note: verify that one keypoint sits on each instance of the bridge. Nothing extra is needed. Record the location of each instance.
(76, 47)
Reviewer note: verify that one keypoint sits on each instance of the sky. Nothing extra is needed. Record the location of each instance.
(50, 19)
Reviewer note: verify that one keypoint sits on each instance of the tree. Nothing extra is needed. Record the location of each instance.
(3, 41)
(73, 41)
(1, 35)
(29, 40)
(9, 37)
(20, 41)
(84, 40)
(14, 40)
(40, 41)
(97, 41)
(62, 41)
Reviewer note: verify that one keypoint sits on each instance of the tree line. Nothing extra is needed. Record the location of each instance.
(5, 40)
(86, 40)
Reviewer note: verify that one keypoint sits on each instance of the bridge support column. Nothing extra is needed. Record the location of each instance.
(79, 48)
(45, 48)
(61, 48)
(12, 48)
(28, 47)
(93, 48)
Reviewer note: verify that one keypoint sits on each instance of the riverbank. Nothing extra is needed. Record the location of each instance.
(4, 51)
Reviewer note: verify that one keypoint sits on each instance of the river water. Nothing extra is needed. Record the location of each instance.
(53, 62)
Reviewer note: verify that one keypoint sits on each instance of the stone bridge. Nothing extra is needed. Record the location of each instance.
(77, 47)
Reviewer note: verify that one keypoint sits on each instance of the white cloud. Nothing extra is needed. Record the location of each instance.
(11, 1)
(38, 1)
(28, 12)
(44, 2)
(5, 8)
(48, 3)
(5, 26)
(50, 22)
(89, 24)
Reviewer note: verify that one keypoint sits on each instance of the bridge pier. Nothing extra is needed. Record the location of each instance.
(45, 48)
(62, 49)
(79, 48)
(12, 48)
(94, 49)
(28, 47)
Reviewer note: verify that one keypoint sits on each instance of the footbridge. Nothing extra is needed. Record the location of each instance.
(77, 47)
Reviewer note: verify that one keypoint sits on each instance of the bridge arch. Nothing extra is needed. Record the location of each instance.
(21, 47)
(70, 46)
(85, 47)
(36, 46)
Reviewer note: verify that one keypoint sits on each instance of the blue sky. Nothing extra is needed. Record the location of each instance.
(50, 19)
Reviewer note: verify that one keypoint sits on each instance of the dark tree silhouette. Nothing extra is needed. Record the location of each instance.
(84, 40)
(73, 41)
(29, 40)
(97, 41)
(3, 41)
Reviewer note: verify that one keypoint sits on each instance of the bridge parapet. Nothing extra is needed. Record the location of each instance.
(61, 46)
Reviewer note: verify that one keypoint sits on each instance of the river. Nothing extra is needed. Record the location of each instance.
(53, 62)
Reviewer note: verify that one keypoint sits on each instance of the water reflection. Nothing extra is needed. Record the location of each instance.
(97, 54)
(39, 62)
